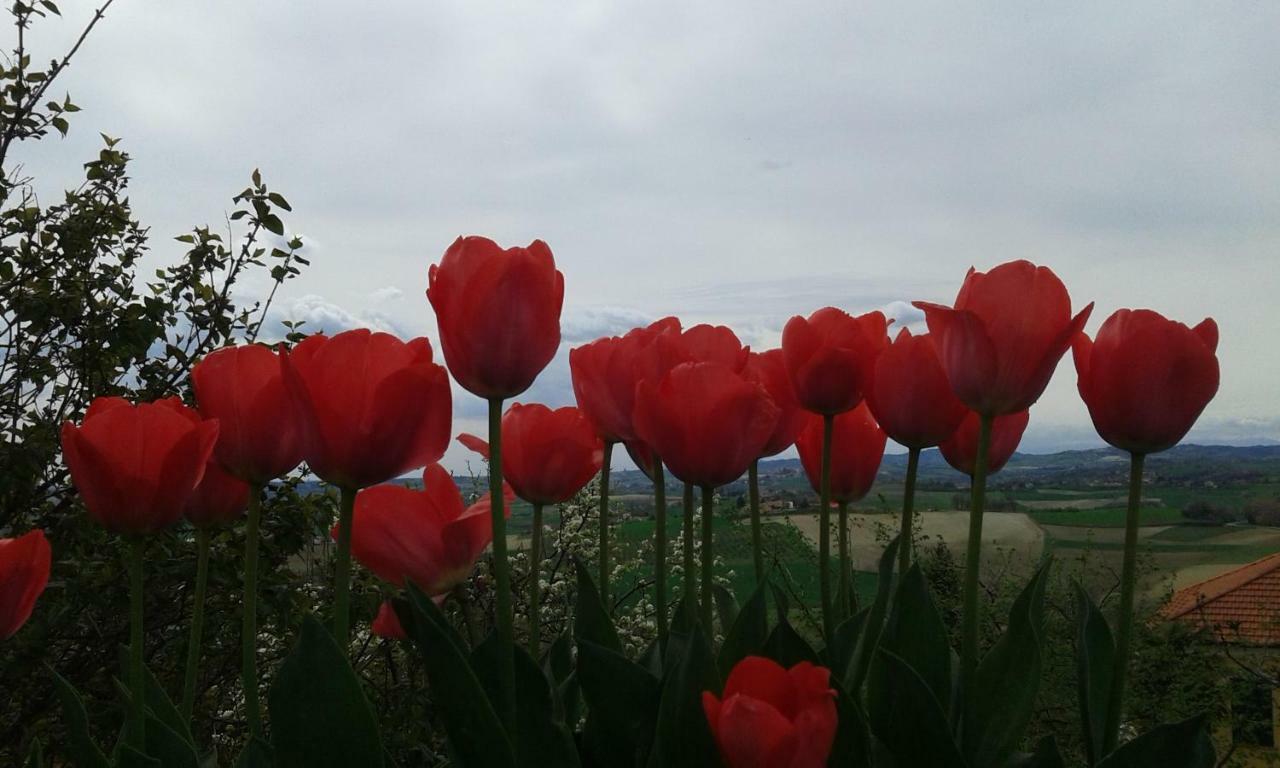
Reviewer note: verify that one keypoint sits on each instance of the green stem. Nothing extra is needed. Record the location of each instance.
(908, 508)
(757, 544)
(197, 624)
(824, 529)
(973, 561)
(342, 575)
(1128, 577)
(708, 559)
(845, 587)
(501, 571)
(535, 588)
(660, 548)
(249, 627)
(604, 527)
(137, 670)
(689, 569)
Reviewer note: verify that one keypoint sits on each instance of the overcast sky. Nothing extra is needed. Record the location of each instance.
(731, 162)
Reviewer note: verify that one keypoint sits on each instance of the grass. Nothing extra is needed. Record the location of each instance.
(1105, 517)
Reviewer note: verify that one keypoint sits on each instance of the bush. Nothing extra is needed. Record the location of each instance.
(1205, 513)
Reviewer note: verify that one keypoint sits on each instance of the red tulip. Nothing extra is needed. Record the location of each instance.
(769, 370)
(829, 356)
(1146, 379)
(605, 373)
(260, 430)
(643, 457)
(24, 572)
(857, 447)
(498, 312)
(706, 344)
(387, 623)
(1005, 335)
(961, 449)
(375, 407)
(772, 717)
(219, 498)
(136, 465)
(547, 456)
(910, 396)
(427, 537)
(706, 422)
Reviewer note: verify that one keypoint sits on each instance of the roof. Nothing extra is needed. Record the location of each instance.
(1239, 606)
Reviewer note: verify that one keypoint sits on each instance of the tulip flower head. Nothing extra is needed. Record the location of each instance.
(857, 448)
(219, 499)
(774, 717)
(829, 356)
(24, 572)
(260, 421)
(910, 396)
(769, 370)
(605, 373)
(961, 449)
(1146, 379)
(374, 407)
(428, 537)
(548, 455)
(136, 466)
(1003, 339)
(498, 312)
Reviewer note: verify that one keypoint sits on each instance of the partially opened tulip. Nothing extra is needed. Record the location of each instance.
(961, 449)
(857, 448)
(770, 717)
(24, 573)
(135, 467)
(387, 624)
(1145, 379)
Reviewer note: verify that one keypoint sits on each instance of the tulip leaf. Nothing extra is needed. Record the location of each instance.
(163, 743)
(84, 753)
(852, 747)
(786, 646)
(591, 618)
(256, 754)
(746, 636)
(319, 714)
(477, 738)
(781, 605)
(1046, 755)
(158, 702)
(685, 616)
(622, 700)
(915, 633)
(35, 755)
(682, 738)
(726, 606)
(557, 664)
(1000, 706)
(541, 738)
(907, 717)
(1174, 745)
(838, 656)
(128, 757)
(869, 638)
(1095, 655)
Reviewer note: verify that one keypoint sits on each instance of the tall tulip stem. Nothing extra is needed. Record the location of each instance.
(824, 529)
(660, 548)
(757, 543)
(846, 588)
(342, 575)
(604, 526)
(535, 585)
(708, 558)
(908, 511)
(1128, 575)
(501, 569)
(137, 672)
(689, 568)
(249, 619)
(973, 561)
(197, 624)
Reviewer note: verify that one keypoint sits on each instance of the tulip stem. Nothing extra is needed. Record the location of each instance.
(689, 569)
(604, 526)
(342, 574)
(757, 543)
(137, 670)
(249, 626)
(501, 570)
(1120, 672)
(535, 587)
(908, 510)
(660, 548)
(824, 528)
(708, 559)
(197, 624)
(845, 586)
(973, 561)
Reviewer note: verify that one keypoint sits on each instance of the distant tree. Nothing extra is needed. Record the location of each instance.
(1263, 512)
(1206, 513)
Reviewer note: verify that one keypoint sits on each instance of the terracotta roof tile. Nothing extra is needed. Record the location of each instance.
(1239, 606)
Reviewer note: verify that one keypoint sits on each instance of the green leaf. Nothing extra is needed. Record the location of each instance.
(319, 714)
(838, 656)
(591, 619)
(915, 633)
(1000, 706)
(1045, 756)
(1174, 745)
(852, 747)
(128, 757)
(787, 647)
(158, 702)
(60, 124)
(84, 753)
(476, 735)
(543, 738)
(35, 755)
(622, 700)
(870, 636)
(256, 754)
(558, 666)
(748, 634)
(1095, 656)
(682, 738)
(726, 606)
(163, 743)
(908, 718)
